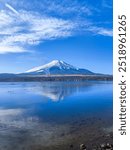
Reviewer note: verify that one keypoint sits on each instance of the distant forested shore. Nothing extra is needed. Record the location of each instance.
(40, 78)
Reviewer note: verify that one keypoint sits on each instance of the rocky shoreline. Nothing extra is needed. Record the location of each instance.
(104, 146)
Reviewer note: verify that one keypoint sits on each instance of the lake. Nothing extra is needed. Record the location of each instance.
(55, 115)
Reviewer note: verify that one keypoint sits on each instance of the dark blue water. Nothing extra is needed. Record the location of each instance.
(52, 107)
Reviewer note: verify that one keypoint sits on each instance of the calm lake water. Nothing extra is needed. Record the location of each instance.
(54, 115)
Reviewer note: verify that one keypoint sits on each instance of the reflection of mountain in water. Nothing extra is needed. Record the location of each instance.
(59, 90)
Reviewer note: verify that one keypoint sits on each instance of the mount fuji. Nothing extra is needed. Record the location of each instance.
(56, 70)
(58, 67)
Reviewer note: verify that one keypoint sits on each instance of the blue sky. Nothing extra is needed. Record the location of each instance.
(35, 32)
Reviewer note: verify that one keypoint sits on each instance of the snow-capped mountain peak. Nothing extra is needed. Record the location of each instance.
(57, 67)
(56, 63)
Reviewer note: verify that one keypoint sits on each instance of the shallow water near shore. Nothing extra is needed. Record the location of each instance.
(55, 115)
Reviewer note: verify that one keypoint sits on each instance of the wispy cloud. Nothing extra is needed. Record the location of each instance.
(21, 27)
(107, 4)
(11, 49)
(101, 31)
(30, 28)
(55, 7)
(11, 8)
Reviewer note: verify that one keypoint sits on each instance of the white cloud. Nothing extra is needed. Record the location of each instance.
(30, 28)
(20, 27)
(101, 31)
(105, 32)
(11, 49)
(5, 19)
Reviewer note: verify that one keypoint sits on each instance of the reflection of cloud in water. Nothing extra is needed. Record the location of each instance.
(10, 112)
(59, 90)
(10, 117)
(16, 125)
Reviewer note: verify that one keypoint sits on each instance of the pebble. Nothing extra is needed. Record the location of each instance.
(83, 147)
(102, 145)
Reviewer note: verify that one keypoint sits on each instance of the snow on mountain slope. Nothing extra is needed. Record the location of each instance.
(58, 67)
(57, 63)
